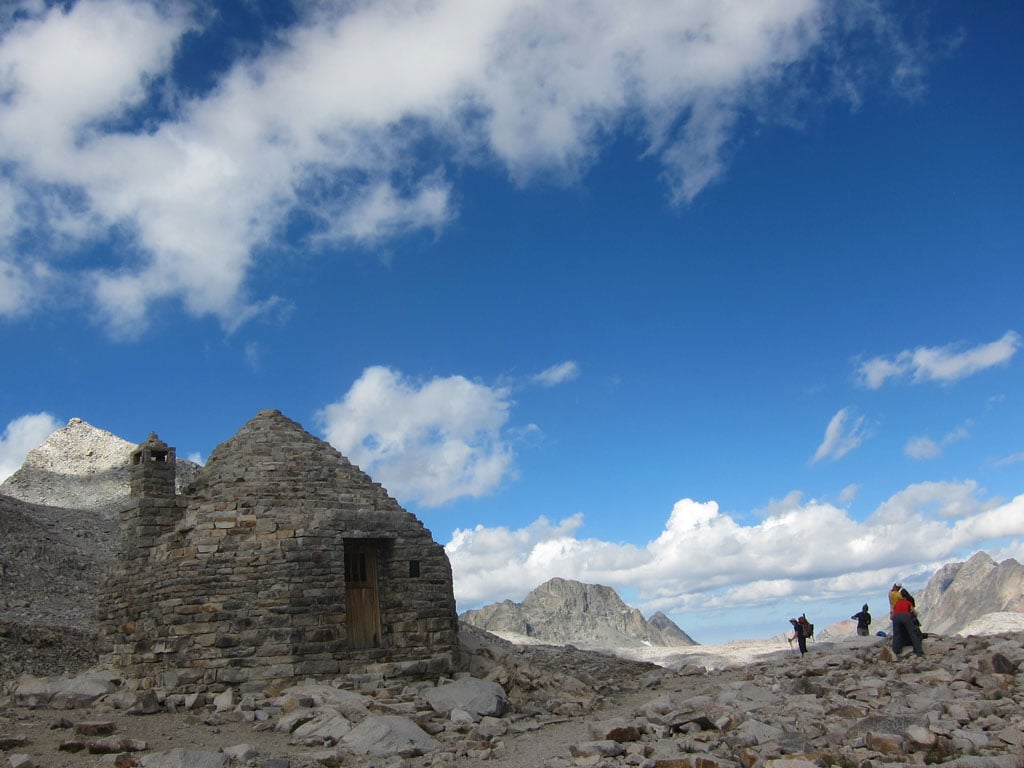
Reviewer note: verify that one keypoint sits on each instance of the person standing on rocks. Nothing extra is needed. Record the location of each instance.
(894, 595)
(863, 620)
(801, 631)
(904, 629)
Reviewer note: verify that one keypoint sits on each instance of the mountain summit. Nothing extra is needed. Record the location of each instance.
(585, 615)
(962, 593)
(80, 466)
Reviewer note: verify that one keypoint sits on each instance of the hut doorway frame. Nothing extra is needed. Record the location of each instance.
(362, 593)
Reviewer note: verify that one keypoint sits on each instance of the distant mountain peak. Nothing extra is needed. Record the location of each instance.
(959, 594)
(79, 448)
(79, 466)
(586, 615)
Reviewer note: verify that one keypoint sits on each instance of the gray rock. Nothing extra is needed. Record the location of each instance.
(224, 701)
(349, 703)
(32, 692)
(241, 753)
(325, 728)
(61, 692)
(146, 704)
(478, 697)
(383, 735)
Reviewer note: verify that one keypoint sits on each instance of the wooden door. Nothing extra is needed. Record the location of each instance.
(362, 606)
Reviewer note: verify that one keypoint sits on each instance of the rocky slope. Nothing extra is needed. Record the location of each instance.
(81, 467)
(961, 593)
(586, 615)
(52, 562)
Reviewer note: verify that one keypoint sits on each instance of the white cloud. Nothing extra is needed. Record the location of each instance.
(430, 441)
(705, 562)
(21, 436)
(15, 292)
(8, 212)
(843, 434)
(944, 364)
(877, 370)
(329, 119)
(557, 374)
(1013, 458)
(253, 354)
(64, 71)
(919, 502)
(849, 493)
(924, 447)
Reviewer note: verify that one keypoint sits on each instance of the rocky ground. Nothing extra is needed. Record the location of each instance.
(847, 703)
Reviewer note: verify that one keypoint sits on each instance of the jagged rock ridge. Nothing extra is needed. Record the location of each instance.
(81, 467)
(586, 615)
(960, 594)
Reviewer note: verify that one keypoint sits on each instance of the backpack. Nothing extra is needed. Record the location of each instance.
(806, 628)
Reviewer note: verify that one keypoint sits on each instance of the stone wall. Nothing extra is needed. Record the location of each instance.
(241, 580)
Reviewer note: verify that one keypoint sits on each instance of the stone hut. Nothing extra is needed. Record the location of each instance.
(281, 560)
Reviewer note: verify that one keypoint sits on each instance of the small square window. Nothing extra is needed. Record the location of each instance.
(414, 569)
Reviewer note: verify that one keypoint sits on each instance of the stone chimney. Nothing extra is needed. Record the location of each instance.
(152, 470)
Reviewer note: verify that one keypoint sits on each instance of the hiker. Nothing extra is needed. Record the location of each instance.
(863, 620)
(802, 629)
(904, 593)
(905, 631)
(894, 595)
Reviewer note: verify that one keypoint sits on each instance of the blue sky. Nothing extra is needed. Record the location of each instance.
(717, 304)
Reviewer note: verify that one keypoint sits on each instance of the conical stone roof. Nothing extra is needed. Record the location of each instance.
(274, 456)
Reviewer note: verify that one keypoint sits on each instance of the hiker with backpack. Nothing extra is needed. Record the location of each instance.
(802, 629)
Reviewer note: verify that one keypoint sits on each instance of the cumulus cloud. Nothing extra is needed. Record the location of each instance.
(430, 441)
(351, 119)
(943, 364)
(21, 436)
(705, 560)
(844, 433)
(920, 502)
